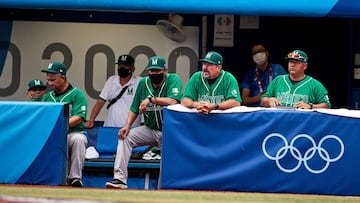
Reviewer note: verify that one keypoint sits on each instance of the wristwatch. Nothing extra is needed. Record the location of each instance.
(311, 105)
(216, 106)
(149, 98)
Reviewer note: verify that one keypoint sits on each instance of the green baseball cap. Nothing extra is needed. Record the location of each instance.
(56, 67)
(298, 55)
(36, 83)
(156, 62)
(213, 57)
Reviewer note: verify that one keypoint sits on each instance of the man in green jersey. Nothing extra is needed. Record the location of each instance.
(212, 88)
(154, 92)
(36, 89)
(296, 89)
(63, 91)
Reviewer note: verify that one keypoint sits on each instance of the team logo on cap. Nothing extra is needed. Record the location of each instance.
(123, 58)
(208, 55)
(154, 61)
(37, 82)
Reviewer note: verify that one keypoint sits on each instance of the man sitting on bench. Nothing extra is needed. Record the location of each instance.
(159, 89)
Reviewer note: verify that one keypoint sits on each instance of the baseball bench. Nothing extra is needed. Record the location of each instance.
(105, 143)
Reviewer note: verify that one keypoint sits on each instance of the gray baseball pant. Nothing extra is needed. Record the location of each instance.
(138, 136)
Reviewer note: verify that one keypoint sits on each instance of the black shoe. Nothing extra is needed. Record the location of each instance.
(76, 182)
(116, 183)
(136, 155)
(156, 150)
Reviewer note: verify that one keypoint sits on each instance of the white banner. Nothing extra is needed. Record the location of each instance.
(90, 47)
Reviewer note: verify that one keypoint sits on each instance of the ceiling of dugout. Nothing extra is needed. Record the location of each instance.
(305, 8)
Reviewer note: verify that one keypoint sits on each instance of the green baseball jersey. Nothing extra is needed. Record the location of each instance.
(308, 90)
(35, 99)
(224, 88)
(77, 103)
(171, 88)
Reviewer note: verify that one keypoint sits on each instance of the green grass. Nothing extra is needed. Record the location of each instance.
(160, 196)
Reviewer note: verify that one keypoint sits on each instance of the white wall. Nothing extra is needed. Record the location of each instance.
(32, 39)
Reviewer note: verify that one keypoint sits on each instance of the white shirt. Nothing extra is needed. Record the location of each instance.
(118, 112)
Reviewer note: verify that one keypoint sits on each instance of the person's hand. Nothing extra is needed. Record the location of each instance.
(89, 124)
(204, 107)
(273, 102)
(28, 94)
(123, 132)
(302, 105)
(143, 105)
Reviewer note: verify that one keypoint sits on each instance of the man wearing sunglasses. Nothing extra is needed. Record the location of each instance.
(296, 89)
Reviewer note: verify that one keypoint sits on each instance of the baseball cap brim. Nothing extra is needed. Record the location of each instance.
(207, 60)
(297, 59)
(125, 63)
(42, 87)
(155, 67)
(49, 71)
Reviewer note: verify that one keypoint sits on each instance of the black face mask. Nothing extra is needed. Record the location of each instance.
(156, 78)
(123, 72)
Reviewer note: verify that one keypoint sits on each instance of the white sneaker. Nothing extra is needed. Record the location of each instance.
(151, 156)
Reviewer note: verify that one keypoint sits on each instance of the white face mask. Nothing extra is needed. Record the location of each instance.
(259, 58)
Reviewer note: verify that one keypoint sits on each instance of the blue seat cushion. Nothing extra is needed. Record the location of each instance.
(107, 140)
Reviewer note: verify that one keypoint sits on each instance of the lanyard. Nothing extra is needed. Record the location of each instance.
(259, 79)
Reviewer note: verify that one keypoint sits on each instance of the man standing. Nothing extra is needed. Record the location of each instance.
(119, 90)
(154, 92)
(296, 89)
(63, 91)
(212, 88)
(257, 79)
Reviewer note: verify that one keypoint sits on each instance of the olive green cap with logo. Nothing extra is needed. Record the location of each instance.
(213, 58)
(55, 67)
(156, 62)
(36, 83)
(298, 55)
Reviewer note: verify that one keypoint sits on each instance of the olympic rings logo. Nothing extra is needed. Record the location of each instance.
(305, 157)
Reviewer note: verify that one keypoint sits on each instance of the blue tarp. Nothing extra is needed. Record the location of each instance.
(277, 151)
(32, 143)
(308, 8)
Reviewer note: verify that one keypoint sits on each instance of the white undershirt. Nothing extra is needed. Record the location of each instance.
(118, 112)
